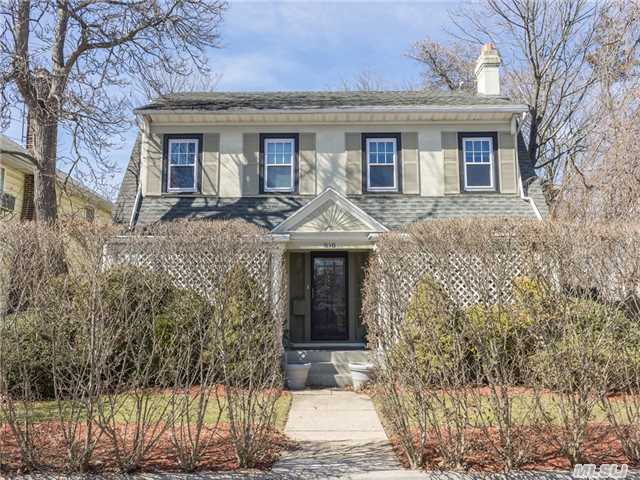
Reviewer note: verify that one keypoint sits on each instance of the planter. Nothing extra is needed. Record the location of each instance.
(296, 374)
(360, 374)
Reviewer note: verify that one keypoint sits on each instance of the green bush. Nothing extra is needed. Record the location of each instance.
(143, 319)
(430, 333)
(583, 339)
(246, 338)
(498, 336)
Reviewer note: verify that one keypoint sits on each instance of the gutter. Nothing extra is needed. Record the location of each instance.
(524, 197)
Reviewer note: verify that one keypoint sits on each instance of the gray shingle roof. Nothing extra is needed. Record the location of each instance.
(256, 101)
(266, 212)
(394, 211)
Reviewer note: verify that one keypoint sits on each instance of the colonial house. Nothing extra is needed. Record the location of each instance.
(17, 189)
(326, 173)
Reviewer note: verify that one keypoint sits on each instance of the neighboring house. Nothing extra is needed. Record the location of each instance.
(17, 188)
(326, 172)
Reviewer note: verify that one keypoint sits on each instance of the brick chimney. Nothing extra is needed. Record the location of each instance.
(488, 70)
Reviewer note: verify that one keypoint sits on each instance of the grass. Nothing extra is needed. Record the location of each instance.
(525, 411)
(156, 405)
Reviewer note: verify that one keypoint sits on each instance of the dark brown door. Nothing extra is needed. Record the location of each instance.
(329, 318)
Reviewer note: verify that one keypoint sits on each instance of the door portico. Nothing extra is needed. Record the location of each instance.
(327, 243)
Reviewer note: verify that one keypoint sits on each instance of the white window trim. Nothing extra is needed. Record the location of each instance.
(491, 187)
(195, 164)
(395, 165)
(291, 186)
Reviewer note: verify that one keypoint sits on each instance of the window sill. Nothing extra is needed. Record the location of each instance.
(480, 190)
(383, 192)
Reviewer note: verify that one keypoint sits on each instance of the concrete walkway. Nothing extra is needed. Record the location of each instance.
(340, 436)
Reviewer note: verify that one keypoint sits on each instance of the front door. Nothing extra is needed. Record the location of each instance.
(329, 318)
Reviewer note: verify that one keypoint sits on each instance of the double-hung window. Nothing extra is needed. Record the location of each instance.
(478, 163)
(382, 164)
(182, 164)
(279, 164)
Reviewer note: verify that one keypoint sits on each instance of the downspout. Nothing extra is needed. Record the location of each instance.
(524, 197)
(136, 206)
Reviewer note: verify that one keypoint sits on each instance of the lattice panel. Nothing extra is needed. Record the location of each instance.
(465, 278)
(195, 268)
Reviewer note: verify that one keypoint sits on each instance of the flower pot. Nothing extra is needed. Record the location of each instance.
(296, 374)
(360, 374)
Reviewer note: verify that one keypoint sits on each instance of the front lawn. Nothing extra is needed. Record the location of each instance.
(54, 425)
(124, 408)
(483, 440)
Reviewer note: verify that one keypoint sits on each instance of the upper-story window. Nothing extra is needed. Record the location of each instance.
(182, 163)
(279, 164)
(382, 164)
(478, 163)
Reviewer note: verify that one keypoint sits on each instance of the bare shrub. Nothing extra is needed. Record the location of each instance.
(441, 373)
(514, 323)
(575, 295)
(168, 341)
(250, 358)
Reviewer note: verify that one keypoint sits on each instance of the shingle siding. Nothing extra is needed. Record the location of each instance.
(129, 186)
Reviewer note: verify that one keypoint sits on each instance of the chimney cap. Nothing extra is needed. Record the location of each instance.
(488, 48)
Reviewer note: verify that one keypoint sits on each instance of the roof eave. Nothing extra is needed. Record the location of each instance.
(18, 160)
(510, 108)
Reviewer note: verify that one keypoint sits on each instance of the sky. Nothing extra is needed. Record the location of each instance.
(307, 45)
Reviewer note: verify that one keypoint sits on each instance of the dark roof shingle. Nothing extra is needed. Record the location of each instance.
(394, 211)
(256, 101)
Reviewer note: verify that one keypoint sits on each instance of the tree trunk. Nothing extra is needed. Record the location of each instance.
(44, 138)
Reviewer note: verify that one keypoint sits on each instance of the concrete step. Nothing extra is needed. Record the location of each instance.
(329, 368)
(335, 356)
(335, 380)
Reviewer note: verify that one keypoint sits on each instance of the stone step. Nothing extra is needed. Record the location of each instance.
(334, 356)
(329, 368)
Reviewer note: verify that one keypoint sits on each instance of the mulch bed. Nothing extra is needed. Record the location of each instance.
(48, 439)
(600, 447)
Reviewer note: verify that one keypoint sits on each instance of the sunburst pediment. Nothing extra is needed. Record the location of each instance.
(330, 218)
(330, 212)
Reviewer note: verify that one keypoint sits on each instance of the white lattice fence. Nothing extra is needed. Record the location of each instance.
(196, 265)
(466, 278)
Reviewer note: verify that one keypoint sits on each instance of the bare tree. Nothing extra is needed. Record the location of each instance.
(446, 66)
(604, 182)
(66, 61)
(365, 81)
(158, 82)
(546, 46)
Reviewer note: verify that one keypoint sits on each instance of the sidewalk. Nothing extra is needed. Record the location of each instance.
(340, 436)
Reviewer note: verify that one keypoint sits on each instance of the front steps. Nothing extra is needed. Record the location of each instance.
(329, 368)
